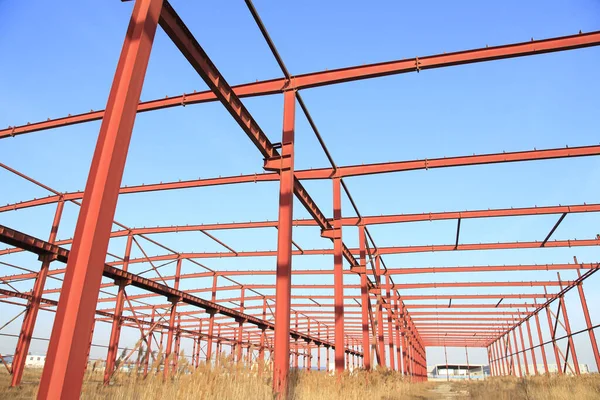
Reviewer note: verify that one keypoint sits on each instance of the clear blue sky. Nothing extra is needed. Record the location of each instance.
(59, 58)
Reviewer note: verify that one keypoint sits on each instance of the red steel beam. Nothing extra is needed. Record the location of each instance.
(366, 169)
(389, 271)
(70, 339)
(335, 76)
(381, 250)
(40, 247)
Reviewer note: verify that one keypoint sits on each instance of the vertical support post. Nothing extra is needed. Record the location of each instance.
(149, 349)
(261, 351)
(296, 350)
(177, 344)
(390, 323)
(65, 363)
(446, 357)
(398, 342)
(467, 355)
(211, 321)
(338, 276)
(364, 299)
(570, 336)
(240, 329)
(404, 341)
(552, 335)
(588, 324)
(524, 350)
(283, 289)
(533, 358)
(318, 347)
(33, 306)
(512, 369)
(172, 322)
(380, 342)
(514, 335)
(115, 332)
(541, 339)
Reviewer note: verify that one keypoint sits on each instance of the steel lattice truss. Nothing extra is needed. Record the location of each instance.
(273, 318)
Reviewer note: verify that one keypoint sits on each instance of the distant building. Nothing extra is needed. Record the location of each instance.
(35, 361)
(457, 371)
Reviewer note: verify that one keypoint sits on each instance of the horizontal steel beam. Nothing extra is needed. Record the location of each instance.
(366, 169)
(335, 76)
(40, 247)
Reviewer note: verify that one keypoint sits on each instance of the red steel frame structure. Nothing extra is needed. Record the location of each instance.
(354, 337)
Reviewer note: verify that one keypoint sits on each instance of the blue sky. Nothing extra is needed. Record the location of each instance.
(60, 59)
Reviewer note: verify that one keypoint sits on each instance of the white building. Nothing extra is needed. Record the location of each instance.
(35, 361)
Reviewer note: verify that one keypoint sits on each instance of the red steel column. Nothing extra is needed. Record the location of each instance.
(172, 322)
(177, 344)
(149, 349)
(404, 342)
(541, 339)
(115, 332)
(66, 359)
(33, 307)
(524, 350)
(467, 355)
(380, 343)
(338, 276)
(533, 358)
(398, 342)
(240, 328)
(512, 370)
(570, 337)
(494, 364)
(211, 322)
(588, 324)
(318, 347)
(514, 335)
(261, 351)
(283, 289)
(364, 299)
(552, 335)
(390, 323)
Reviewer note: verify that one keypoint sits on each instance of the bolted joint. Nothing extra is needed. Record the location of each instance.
(48, 257)
(122, 282)
(241, 320)
(174, 299)
(278, 163)
(331, 233)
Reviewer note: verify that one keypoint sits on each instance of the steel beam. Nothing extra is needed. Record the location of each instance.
(335, 76)
(67, 351)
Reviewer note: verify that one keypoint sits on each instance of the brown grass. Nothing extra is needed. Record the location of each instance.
(584, 387)
(232, 382)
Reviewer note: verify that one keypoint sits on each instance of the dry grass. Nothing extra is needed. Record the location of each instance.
(232, 382)
(584, 387)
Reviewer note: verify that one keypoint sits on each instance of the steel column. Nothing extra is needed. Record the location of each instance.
(33, 306)
(390, 323)
(524, 350)
(533, 357)
(211, 323)
(570, 337)
(588, 324)
(338, 276)
(284, 251)
(552, 336)
(66, 359)
(541, 340)
(364, 299)
(115, 333)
